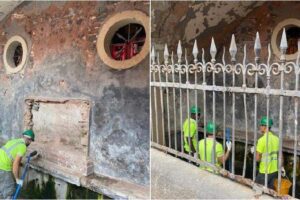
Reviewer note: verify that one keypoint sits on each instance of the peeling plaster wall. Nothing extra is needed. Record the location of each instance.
(187, 21)
(63, 63)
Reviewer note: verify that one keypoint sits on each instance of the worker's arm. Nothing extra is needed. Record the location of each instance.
(16, 166)
(190, 143)
(223, 158)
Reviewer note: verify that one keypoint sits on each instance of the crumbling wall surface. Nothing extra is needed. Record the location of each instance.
(63, 63)
(187, 21)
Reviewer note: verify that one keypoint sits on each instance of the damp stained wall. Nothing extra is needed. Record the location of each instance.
(187, 21)
(63, 63)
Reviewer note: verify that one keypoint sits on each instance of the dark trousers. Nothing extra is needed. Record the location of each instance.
(260, 179)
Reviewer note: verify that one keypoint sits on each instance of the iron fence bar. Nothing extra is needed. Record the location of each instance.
(280, 131)
(257, 49)
(268, 116)
(181, 117)
(217, 88)
(151, 123)
(233, 124)
(295, 143)
(283, 47)
(188, 102)
(167, 71)
(213, 52)
(204, 103)
(245, 113)
(195, 53)
(155, 94)
(174, 101)
(179, 54)
(161, 100)
(224, 105)
(297, 70)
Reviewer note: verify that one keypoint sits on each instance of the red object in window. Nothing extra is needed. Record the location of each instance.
(124, 51)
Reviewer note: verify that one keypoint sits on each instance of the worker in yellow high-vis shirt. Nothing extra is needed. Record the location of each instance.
(10, 159)
(190, 130)
(267, 164)
(219, 151)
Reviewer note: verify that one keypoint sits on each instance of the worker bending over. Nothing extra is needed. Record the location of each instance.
(10, 159)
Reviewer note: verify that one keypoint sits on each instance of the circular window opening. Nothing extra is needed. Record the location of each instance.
(18, 55)
(127, 41)
(15, 54)
(292, 29)
(123, 40)
(293, 35)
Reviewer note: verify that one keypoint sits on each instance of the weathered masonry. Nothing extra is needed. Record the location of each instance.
(234, 85)
(77, 74)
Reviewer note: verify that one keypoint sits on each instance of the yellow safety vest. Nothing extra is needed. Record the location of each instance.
(9, 152)
(273, 148)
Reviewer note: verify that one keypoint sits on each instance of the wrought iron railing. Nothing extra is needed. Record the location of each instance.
(177, 84)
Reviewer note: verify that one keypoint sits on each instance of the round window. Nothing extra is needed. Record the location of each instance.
(15, 54)
(127, 41)
(123, 40)
(292, 29)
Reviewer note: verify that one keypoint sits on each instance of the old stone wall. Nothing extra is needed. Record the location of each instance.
(63, 63)
(187, 21)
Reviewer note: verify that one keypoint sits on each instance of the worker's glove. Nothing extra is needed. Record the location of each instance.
(228, 144)
(19, 182)
(252, 149)
(283, 174)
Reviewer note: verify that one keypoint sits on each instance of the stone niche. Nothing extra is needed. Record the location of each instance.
(62, 136)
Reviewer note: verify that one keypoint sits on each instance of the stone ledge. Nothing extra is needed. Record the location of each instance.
(111, 187)
(114, 188)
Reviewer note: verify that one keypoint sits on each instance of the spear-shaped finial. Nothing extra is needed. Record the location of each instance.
(283, 45)
(153, 55)
(179, 51)
(233, 48)
(195, 51)
(257, 47)
(166, 54)
(213, 50)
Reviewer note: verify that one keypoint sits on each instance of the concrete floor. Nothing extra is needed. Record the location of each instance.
(172, 178)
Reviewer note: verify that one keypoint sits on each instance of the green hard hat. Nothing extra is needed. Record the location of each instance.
(29, 133)
(195, 110)
(264, 121)
(211, 128)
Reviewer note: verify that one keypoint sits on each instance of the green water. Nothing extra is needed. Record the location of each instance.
(33, 190)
